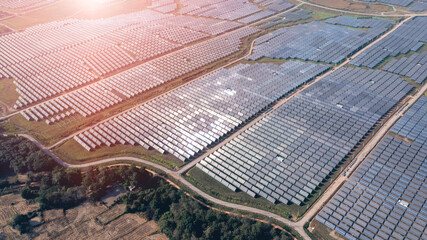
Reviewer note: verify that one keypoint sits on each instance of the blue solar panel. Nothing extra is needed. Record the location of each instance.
(408, 37)
(316, 41)
(385, 197)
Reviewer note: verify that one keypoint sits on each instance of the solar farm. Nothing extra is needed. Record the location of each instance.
(410, 37)
(285, 156)
(385, 197)
(318, 41)
(288, 109)
(190, 121)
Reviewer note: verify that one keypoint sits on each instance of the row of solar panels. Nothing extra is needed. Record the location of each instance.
(45, 61)
(151, 74)
(292, 16)
(315, 41)
(386, 196)
(414, 67)
(302, 141)
(195, 116)
(411, 36)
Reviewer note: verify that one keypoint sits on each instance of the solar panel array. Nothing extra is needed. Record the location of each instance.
(418, 7)
(181, 35)
(403, 3)
(50, 59)
(316, 41)
(139, 79)
(25, 5)
(413, 124)
(190, 118)
(292, 16)
(386, 196)
(288, 153)
(275, 5)
(414, 67)
(163, 6)
(359, 22)
(225, 9)
(408, 37)
(257, 16)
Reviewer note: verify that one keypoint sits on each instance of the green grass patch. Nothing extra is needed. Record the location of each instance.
(320, 13)
(320, 232)
(214, 188)
(73, 153)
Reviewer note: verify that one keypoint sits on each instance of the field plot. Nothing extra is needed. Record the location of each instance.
(317, 41)
(189, 119)
(10, 205)
(286, 155)
(411, 36)
(111, 214)
(385, 197)
(81, 223)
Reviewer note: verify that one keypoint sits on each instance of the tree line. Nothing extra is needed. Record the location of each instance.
(178, 216)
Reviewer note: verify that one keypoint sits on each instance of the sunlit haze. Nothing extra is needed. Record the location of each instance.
(215, 119)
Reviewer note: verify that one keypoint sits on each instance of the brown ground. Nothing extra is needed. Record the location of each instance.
(90, 221)
(87, 221)
(74, 9)
(320, 231)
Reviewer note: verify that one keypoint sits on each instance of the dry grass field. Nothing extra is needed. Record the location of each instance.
(90, 221)
(87, 221)
(10, 205)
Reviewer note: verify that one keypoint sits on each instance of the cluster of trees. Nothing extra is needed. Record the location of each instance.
(20, 156)
(181, 217)
(67, 188)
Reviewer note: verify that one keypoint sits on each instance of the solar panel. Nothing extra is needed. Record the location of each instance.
(385, 198)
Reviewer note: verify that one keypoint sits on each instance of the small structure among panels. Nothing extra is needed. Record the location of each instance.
(187, 120)
(386, 196)
(287, 154)
(411, 36)
(316, 41)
